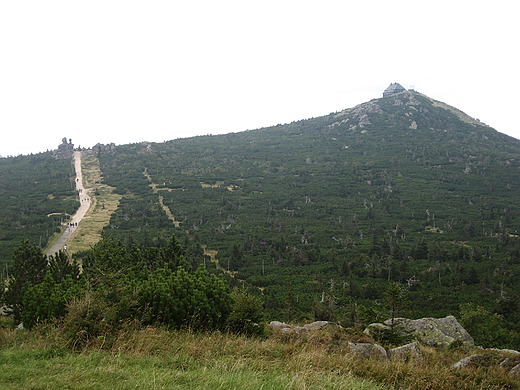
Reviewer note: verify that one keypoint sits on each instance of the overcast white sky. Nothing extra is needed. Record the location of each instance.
(130, 71)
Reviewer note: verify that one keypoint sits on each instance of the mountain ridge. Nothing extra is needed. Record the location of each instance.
(399, 189)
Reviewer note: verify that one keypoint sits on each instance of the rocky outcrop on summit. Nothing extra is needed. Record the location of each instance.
(359, 115)
(65, 149)
(97, 148)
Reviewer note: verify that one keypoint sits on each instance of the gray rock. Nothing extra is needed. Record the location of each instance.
(97, 148)
(65, 149)
(375, 329)
(436, 332)
(515, 370)
(318, 325)
(507, 364)
(510, 351)
(285, 328)
(368, 351)
(278, 324)
(412, 350)
(491, 358)
(465, 362)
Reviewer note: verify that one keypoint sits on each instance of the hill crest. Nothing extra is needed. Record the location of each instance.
(411, 99)
(398, 189)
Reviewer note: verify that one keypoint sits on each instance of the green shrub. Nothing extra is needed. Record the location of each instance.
(247, 314)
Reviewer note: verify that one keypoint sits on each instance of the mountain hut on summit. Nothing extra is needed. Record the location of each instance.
(393, 89)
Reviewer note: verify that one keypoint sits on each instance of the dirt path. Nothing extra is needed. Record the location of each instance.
(209, 252)
(85, 202)
(161, 198)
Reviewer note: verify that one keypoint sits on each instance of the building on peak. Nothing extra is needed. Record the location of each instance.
(393, 89)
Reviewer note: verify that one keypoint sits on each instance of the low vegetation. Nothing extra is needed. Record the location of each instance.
(144, 318)
(37, 196)
(393, 208)
(157, 358)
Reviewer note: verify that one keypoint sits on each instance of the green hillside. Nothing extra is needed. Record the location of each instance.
(402, 188)
(332, 209)
(37, 194)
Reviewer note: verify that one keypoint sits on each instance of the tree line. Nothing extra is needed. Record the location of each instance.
(115, 287)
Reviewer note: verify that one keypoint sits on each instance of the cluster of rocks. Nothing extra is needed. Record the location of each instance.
(103, 148)
(65, 149)
(361, 350)
(435, 332)
(359, 114)
(506, 359)
(318, 325)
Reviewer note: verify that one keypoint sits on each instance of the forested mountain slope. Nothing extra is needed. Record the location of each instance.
(402, 188)
(37, 194)
(327, 211)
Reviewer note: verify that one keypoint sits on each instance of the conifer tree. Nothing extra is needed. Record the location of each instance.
(395, 300)
(29, 268)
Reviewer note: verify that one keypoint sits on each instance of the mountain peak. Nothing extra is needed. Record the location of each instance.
(396, 88)
(401, 108)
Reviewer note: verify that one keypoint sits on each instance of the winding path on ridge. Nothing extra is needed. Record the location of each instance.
(84, 206)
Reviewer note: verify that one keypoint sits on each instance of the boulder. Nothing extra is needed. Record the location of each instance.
(435, 332)
(279, 325)
(508, 363)
(408, 351)
(515, 370)
(286, 328)
(506, 351)
(467, 361)
(368, 351)
(491, 358)
(376, 329)
(319, 325)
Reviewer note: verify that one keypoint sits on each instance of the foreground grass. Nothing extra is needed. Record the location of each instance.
(154, 358)
(157, 359)
(96, 370)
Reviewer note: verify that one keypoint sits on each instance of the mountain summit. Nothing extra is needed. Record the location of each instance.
(410, 114)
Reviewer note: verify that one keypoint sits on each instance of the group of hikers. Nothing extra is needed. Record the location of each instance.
(71, 225)
(86, 199)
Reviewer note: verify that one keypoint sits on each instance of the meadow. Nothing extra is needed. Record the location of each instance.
(156, 358)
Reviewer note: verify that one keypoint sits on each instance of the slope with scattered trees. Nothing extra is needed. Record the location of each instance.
(319, 217)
